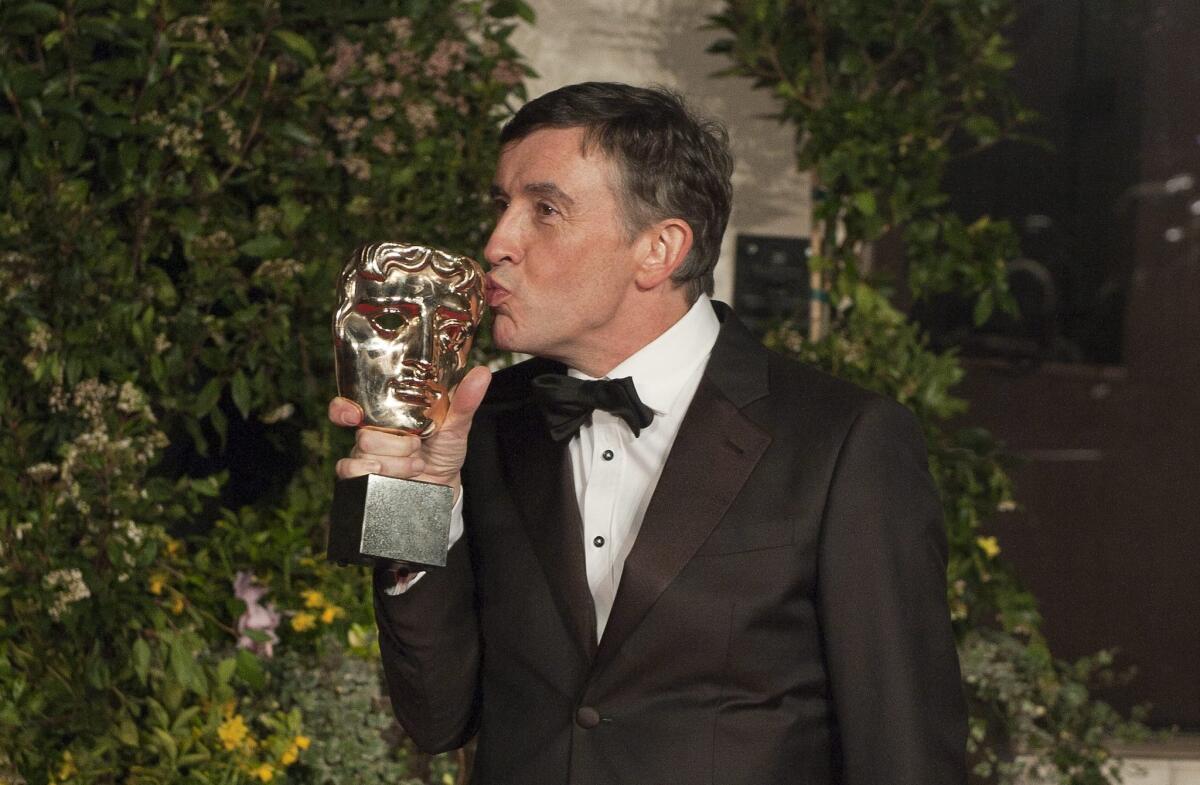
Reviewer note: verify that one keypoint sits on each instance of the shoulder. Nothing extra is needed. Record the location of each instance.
(807, 399)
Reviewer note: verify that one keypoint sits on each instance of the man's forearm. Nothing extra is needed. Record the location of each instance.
(429, 643)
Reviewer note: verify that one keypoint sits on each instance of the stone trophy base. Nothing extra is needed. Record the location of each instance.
(384, 520)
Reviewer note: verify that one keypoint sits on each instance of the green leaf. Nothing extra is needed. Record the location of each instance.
(864, 201)
(38, 13)
(206, 401)
(294, 213)
(263, 246)
(141, 659)
(225, 670)
(127, 733)
(297, 44)
(182, 663)
(983, 308)
(167, 743)
(294, 132)
(97, 673)
(250, 670)
(128, 154)
(179, 726)
(240, 390)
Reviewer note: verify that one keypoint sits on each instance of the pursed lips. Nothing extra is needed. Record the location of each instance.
(494, 292)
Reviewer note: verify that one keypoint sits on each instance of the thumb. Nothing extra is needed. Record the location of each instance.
(466, 399)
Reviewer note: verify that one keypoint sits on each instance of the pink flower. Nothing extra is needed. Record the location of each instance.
(447, 56)
(345, 56)
(507, 73)
(259, 618)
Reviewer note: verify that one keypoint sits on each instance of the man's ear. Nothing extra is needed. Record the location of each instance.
(669, 243)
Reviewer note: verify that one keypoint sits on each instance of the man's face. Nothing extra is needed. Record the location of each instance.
(402, 346)
(562, 263)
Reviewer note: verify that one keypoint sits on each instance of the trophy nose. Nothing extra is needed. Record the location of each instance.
(419, 367)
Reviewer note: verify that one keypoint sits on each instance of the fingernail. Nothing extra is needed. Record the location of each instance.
(348, 419)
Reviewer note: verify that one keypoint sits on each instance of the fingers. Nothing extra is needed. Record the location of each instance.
(466, 399)
(380, 452)
(381, 443)
(343, 411)
(402, 468)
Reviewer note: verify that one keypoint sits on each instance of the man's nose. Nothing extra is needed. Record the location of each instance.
(504, 244)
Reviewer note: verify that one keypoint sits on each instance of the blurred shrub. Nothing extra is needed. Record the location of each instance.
(179, 185)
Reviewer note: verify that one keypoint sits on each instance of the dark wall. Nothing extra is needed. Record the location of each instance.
(1109, 538)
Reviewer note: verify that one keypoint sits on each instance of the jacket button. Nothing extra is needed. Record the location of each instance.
(587, 717)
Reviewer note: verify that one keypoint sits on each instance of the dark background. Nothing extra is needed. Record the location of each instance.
(1097, 394)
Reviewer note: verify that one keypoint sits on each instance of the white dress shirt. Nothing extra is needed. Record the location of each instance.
(615, 473)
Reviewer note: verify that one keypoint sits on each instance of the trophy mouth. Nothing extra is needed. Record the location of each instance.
(412, 392)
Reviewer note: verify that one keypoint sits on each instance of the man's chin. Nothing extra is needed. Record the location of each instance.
(504, 335)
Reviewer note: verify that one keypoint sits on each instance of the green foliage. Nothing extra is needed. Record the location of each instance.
(180, 183)
(882, 95)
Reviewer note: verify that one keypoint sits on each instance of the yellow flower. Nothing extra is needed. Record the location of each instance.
(330, 613)
(312, 598)
(232, 732)
(303, 621)
(177, 604)
(157, 582)
(302, 742)
(67, 769)
(174, 546)
(989, 546)
(265, 772)
(289, 755)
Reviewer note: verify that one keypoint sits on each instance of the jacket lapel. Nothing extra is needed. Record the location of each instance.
(691, 496)
(551, 516)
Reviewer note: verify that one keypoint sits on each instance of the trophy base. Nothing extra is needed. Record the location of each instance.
(384, 520)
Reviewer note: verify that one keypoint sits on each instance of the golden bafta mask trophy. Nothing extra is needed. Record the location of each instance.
(402, 335)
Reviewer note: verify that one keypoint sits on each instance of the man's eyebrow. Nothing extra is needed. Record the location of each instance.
(550, 191)
(547, 190)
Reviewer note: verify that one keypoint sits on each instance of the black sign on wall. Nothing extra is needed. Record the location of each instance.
(771, 280)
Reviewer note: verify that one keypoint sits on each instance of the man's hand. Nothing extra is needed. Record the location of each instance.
(437, 459)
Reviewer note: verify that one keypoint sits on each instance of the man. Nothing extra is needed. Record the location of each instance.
(735, 577)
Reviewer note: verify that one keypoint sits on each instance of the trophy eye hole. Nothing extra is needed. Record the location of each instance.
(455, 335)
(389, 322)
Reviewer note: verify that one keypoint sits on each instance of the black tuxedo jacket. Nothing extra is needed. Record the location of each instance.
(781, 617)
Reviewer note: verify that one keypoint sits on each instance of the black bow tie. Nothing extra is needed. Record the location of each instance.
(567, 402)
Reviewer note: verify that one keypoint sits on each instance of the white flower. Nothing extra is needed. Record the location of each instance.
(40, 472)
(68, 586)
(278, 414)
(130, 399)
(134, 533)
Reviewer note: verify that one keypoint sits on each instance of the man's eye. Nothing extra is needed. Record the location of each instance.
(546, 209)
(499, 205)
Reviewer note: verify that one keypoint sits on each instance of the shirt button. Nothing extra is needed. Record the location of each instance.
(607, 455)
(598, 542)
(587, 717)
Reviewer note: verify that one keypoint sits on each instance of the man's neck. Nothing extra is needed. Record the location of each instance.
(631, 335)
